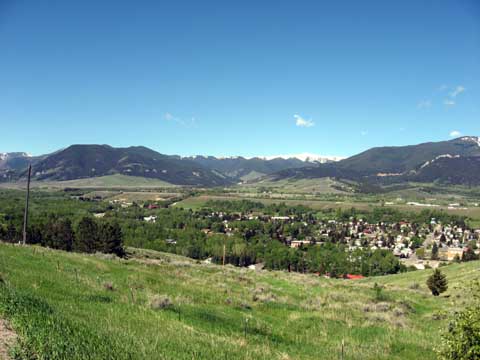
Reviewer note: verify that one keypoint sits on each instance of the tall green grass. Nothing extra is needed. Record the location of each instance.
(72, 306)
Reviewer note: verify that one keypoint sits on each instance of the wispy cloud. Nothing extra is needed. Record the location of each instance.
(450, 96)
(301, 122)
(424, 104)
(455, 133)
(185, 123)
(457, 91)
(364, 132)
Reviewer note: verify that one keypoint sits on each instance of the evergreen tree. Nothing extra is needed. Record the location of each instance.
(12, 234)
(66, 235)
(86, 236)
(112, 239)
(434, 251)
(58, 234)
(437, 283)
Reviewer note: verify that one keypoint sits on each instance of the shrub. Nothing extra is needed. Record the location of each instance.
(415, 286)
(109, 286)
(160, 302)
(462, 340)
(378, 293)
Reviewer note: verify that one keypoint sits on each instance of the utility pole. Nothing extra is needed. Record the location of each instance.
(224, 251)
(25, 216)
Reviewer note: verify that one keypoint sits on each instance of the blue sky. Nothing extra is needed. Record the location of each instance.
(238, 78)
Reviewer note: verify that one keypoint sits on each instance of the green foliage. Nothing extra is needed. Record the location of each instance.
(462, 340)
(87, 236)
(469, 254)
(420, 253)
(437, 282)
(379, 294)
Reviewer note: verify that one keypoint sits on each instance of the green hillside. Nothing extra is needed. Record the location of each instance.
(108, 181)
(157, 306)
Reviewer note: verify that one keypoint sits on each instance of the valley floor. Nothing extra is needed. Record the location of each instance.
(159, 306)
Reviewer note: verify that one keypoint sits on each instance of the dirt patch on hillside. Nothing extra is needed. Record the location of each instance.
(7, 339)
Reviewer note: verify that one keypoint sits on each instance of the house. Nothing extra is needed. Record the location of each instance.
(450, 253)
(281, 218)
(299, 243)
(256, 267)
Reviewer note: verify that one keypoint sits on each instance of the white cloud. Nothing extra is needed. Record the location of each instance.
(301, 122)
(449, 102)
(455, 133)
(364, 132)
(189, 123)
(457, 91)
(442, 87)
(168, 117)
(424, 104)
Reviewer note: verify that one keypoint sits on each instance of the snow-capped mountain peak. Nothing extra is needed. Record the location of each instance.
(475, 139)
(306, 157)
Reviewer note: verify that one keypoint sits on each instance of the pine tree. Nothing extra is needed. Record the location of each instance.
(112, 239)
(58, 234)
(12, 234)
(66, 236)
(437, 283)
(86, 236)
(434, 251)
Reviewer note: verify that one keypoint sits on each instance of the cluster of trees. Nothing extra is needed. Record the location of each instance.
(248, 206)
(89, 236)
(386, 214)
(332, 259)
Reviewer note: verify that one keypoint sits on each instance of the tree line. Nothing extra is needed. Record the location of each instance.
(88, 236)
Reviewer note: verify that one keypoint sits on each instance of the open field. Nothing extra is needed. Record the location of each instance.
(320, 204)
(302, 186)
(65, 305)
(109, 181)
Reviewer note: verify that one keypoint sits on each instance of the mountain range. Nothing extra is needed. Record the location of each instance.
(455, 161)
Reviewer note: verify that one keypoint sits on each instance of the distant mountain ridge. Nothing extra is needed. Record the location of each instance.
(455, 161)
(85, 161)
(240, 168)
(432, 161)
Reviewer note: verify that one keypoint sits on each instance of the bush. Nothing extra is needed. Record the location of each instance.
(108, 286)
(462, 340)
(160, 302)
(379, 295)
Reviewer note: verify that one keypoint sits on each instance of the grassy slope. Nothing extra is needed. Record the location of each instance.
(291, 316)
(108, 181)
(295, 186)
